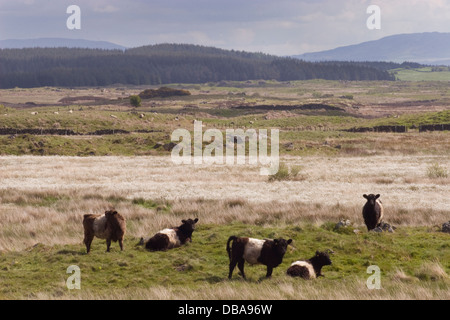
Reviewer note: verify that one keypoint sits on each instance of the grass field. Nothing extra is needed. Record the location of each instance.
(48, 182)
(410, 269)
(43, 200)
(422, 74)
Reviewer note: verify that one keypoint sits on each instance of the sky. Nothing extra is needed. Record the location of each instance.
(280, 27)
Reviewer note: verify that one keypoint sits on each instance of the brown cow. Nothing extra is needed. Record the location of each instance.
(109, 226)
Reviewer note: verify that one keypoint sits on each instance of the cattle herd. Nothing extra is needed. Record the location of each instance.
(269, 252)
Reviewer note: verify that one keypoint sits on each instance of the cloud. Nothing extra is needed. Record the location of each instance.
(280, 27)
(243, 35)
(106, 9)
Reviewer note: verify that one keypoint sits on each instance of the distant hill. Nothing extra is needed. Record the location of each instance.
(163, 64)
(57, 43)
(426, 48)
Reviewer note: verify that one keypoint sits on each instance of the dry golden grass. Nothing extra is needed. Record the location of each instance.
(432, 271)
(330, 181)
(387, 144)
(353, 288)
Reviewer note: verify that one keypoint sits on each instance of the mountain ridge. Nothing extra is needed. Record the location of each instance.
(425, 48)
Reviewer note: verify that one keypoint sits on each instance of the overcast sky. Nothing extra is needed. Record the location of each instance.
(281, 27)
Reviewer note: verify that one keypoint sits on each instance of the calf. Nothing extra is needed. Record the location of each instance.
(109, 226)
(171, 238)
(372, 211)
(267, 252)
(310, 269)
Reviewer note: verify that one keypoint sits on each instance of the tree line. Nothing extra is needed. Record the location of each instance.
(164, 64)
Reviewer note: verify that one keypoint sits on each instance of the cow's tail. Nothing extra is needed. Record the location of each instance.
(232, 238)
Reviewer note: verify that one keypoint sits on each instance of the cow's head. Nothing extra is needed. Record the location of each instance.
(110, 213)
(323, 258)
(188, 225)
(280, 245)
(371, 198)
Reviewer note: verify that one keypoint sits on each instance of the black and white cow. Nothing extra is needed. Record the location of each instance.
(310, 269)
(171, 237)
(255, 251)
(372, 211)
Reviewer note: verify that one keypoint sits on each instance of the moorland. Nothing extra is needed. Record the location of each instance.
(66, 152)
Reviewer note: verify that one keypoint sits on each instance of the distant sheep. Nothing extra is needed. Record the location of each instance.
(109, 226)
(267, 252)
(312, 268)
(372, 211)
(171, 238)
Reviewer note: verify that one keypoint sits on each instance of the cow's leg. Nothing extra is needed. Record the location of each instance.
(269, 272)
(241, 267)
(232, 266)
(108, 244)
(87, 241)
(121, 244)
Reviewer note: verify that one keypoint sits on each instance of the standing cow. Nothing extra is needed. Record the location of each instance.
(267, 252)
(110, 226)
(372, 211)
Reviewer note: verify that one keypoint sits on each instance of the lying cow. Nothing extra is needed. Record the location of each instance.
(311, 268)
(267, 252)
(171, 238)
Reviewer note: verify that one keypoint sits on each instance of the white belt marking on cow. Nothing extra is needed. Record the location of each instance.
(252, 250)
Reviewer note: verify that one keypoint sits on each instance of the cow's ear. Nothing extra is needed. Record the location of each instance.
(377, 196)
(195, 220)
(365, 196)
(317, 252)
(276, 241)
(183, 221)
(289, 241)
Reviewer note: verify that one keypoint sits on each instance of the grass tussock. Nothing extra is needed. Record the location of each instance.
(432, 271)
(287, 173)
(437, 171)
(400, 276)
